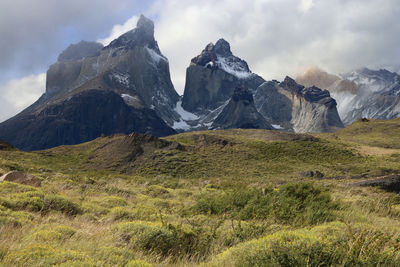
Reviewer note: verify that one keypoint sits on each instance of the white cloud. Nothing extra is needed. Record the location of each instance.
(20, 93)
(281, 37)
(306, 5)
(119, 29)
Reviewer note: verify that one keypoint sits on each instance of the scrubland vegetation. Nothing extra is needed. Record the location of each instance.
(221, 198)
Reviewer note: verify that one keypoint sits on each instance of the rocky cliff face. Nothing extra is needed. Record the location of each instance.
(212, 77)
(131, 67)
(293, 107)
(364, 93)
(240, 112)
(83, 117)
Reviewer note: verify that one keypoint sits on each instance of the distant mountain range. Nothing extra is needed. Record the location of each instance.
(126, 87)
(362, 93)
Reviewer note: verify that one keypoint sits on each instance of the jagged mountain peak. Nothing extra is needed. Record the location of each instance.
(142, 35)
(291, 85)
(223, 48)
(220, 56)
(146, 24)
(80, 50)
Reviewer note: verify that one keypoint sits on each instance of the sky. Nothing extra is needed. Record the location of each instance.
(275, 37)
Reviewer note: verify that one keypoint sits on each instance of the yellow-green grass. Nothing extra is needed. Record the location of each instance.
(228, 198)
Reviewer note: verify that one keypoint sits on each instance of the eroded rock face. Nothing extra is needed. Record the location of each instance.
(131, 68)
(83, 117)
(21, 178)
(241, 113)
(294, 107)
(213, 76)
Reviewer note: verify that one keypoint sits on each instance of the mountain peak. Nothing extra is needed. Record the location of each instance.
(142, 35)
(146, 24)
(223, 48)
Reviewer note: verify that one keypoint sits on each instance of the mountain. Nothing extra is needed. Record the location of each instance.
(362, 93)
(240, 112)
(211, 79)
(213, 76)
(291, 106)
(120, 88)
(126, 87)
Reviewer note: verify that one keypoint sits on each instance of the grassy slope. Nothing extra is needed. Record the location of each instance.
(194, 199)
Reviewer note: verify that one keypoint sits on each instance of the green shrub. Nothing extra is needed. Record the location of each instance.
(62, 204)
(15, 218)
(113, 256)
(10, 187)
(120, 213)
(138, 263)
(41, 255)
(326, 245)
(3, 252)
(73, 263)
(294, 203)
(54, 233)
(31, 201)
(157, 191)
(113, 201)
(175, 241)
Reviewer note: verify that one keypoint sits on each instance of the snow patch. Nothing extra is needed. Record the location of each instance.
(185, 115)
(233, 67)
(181, 125)
(277, 127)
(122, 79)
(130, 100)
(155, 56)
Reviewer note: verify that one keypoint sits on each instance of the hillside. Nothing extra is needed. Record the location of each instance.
(211, 198)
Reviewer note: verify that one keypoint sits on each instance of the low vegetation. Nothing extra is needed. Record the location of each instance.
(221, 198)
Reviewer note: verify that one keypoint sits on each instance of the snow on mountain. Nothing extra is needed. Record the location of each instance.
(234, 67)
(362, 93)
(155, 56)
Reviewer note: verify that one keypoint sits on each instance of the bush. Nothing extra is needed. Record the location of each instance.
(41, 255)
(120, 213)
(157, 191)
(113, 201)
(62, 204)
(326, 245)
(296, 204)
(54, 233)
(112, 256)
(14, 218)
(138, 263)
(176, 241)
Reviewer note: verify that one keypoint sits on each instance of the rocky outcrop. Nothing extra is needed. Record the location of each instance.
(5, 146)
(80, 118)
(362, 93)
(293, 107)
(21, 178)
(240, 112)
(212, 77)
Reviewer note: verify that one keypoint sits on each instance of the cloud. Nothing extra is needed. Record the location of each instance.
(119, 29)
(19, 94)
(306, 5)
(33, 33)
(281, 37)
